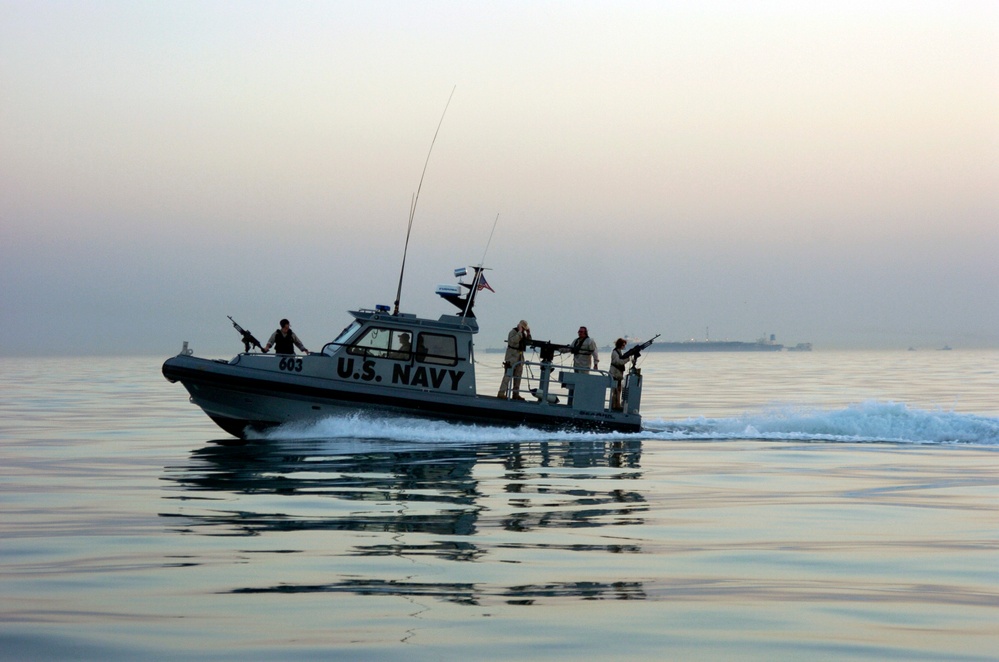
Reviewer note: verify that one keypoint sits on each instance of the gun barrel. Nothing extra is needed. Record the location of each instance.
(636, 351)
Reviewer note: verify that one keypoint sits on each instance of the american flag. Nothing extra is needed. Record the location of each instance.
(483, 285)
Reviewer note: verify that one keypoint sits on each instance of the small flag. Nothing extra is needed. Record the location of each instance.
(483, 285)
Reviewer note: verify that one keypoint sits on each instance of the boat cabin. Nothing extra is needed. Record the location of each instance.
(406, 351)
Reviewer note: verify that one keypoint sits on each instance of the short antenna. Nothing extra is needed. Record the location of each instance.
(416, 198)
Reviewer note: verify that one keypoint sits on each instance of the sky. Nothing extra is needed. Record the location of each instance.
(827, 172)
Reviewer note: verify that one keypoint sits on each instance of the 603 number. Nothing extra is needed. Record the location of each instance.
(292, 364)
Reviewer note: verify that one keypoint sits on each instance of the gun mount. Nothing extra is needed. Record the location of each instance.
(547, 349)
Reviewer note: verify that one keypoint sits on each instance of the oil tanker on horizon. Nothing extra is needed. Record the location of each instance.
(761, 345)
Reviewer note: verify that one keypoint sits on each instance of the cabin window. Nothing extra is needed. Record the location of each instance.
(379, 342)
(436, 349)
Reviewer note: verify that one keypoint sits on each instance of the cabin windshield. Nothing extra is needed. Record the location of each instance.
(344, 336)
(347, 332)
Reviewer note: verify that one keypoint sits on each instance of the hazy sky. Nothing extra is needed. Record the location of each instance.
(824, 171)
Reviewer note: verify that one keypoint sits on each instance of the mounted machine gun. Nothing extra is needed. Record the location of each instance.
(248, 339)
(636, 351)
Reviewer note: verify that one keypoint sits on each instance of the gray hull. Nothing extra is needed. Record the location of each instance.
(250, 392)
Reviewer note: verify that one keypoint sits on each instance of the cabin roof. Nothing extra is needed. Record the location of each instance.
(450, 323)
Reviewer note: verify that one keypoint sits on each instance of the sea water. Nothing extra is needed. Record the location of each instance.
(837, 505)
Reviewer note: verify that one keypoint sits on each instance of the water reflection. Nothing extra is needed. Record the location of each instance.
(453, 503)
(471, 594)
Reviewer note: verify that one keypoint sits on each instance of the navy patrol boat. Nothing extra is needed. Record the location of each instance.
(398, 363)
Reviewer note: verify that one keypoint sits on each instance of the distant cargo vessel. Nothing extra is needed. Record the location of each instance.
(715, 346)
(761, 345)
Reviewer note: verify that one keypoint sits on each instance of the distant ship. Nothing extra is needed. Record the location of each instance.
(762, 345)
(715, 346)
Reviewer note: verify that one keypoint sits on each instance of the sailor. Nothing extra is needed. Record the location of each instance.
(285, 340)
(618, 366)
(402, 352)
(421, 349)
(583, 349)
(513, 361)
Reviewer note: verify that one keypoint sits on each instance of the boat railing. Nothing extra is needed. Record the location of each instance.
(580, 387)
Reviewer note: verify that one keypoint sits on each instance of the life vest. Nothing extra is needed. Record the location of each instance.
(284, 344)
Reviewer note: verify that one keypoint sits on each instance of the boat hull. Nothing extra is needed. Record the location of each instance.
(240, 399)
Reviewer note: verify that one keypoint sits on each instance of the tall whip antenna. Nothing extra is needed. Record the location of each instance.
(416, 198)
(483, 260)
(478, 272)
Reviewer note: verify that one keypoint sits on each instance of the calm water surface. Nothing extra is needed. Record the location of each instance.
(839, 505)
